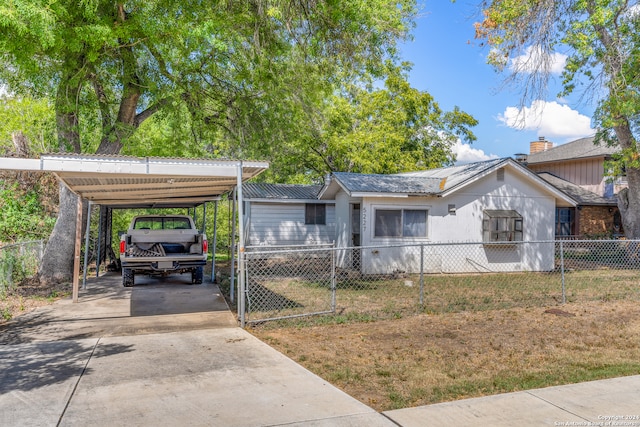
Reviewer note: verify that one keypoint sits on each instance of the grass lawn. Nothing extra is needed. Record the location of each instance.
(474, 335)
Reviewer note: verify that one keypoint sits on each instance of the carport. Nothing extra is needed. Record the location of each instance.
(121, 182)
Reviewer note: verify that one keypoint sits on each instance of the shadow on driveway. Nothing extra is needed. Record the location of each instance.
(106, 308)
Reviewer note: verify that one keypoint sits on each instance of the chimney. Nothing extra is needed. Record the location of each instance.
(540, 145)
(521, 157)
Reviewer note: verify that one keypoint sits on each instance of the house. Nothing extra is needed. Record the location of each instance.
(577, 168)
(287, 215)
(497, 203)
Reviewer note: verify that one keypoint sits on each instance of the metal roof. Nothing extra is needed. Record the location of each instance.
(453, 176)
(433, 182)
(373, 183)
(579, 149)
(280, 191)
(429, 182)
(127, 182)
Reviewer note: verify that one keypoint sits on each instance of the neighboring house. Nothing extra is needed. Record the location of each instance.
(577, 169)
(497, 202)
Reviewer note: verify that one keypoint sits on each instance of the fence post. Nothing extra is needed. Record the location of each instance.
(564, 295)
(333, 278)
(422, 275)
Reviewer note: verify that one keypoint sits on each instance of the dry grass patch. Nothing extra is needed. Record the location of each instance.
(29, 295)
(425, 359)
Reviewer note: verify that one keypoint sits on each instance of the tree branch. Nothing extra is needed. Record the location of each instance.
(144, 115)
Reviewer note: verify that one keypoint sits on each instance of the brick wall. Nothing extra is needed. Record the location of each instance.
(595, 220)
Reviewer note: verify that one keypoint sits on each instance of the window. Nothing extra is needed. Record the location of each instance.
(502, 226)
(162, 223)
(400, 223)
(315, 214)
(565, 221)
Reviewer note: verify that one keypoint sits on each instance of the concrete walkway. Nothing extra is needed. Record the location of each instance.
(168, 353)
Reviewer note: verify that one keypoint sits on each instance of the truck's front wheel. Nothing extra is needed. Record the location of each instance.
(127, 277)
(196, 276)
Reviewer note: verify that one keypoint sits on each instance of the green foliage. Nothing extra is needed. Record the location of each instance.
(23, 217)
(16, 264)
(389, 129)
(229, 76)
(33, 117)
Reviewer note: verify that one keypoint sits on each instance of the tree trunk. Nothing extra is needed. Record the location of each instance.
(629, 204)
(629, 198)
(57, 262)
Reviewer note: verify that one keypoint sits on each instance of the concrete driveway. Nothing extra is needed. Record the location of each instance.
(162, 353)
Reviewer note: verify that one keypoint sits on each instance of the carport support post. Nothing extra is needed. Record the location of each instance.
(241, 277)
(98, 254)
(86, 248)
(76, 257)
(215, 241)
(232, 278)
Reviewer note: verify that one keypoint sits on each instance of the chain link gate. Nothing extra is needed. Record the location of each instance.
(286, 282)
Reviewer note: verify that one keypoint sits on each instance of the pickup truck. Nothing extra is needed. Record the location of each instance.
(162, 245)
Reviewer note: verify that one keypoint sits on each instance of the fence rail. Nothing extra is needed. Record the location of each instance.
(390, 281)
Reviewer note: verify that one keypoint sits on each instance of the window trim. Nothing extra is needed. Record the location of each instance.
(401, 226)
(559, 225)
(513, 233)
(319, 216)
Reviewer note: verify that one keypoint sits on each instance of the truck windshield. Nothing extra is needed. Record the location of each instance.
(161, 223)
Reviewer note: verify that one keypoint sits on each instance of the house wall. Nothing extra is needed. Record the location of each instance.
(587, 173)
(283, 224)
(596, 220)
(536, 207)
(342, 235)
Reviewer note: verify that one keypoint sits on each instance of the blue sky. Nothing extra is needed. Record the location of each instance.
(450, 65)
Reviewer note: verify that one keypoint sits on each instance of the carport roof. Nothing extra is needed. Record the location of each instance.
(137, 182)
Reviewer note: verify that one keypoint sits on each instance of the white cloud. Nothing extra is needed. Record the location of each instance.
(465, 154)
(549, 119)
(533, 59)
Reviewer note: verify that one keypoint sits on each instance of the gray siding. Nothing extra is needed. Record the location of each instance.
(283, 224)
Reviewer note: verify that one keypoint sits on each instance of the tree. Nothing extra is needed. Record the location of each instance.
(602, 38)
(27, 199)
(239, 69)
(389, 129)
(392, 129)
(34, 119)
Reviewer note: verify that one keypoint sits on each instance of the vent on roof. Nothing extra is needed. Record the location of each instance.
(501, 174)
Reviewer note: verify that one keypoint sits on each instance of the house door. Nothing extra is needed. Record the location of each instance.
(355, 235)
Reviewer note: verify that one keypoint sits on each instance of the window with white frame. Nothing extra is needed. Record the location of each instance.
(400, 223)
(502, 226)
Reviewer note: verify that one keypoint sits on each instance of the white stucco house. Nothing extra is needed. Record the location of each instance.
(494, 204)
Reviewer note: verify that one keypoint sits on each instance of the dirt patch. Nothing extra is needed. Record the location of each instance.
(433, 358)
(28, 296)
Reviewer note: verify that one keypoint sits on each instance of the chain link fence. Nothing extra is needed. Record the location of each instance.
(19, 261)
(393, 281)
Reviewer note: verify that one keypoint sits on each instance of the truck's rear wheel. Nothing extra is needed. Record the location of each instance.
(127, 277)
(196, 276)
